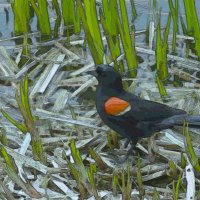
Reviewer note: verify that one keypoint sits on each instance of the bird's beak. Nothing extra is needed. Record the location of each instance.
(93, 73)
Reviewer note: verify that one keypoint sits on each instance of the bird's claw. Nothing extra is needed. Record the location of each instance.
(132, 151)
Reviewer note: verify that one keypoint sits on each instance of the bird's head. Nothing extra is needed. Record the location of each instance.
(107, 77)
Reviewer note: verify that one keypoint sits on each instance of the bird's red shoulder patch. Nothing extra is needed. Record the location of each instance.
(116, 106)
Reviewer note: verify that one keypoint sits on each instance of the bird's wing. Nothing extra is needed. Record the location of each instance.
(135, 109)
(116, 106)
(150, 111)
(134, 117)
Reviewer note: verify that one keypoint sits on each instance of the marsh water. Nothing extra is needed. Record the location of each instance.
(145, 13)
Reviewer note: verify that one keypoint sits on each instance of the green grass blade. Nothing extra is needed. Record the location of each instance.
(173, 170)
(93, 36)
(115, 183)
(176, 187)
(193, 27)
(139, 179)
(26, 98)
(21, 127)
(55, 6)
(98, 159)
(11, 171)
(156, 195)
(161, 87)
(21, 10)
(108, 17)
(7, 159)
(134, 11)
(127, 39)
(3, 137)
(174, 11)
(92, 20)
(190, 150)
(71, 17)
(92, 169)
(161, 50)
(78, 160)
(183, 161)
(188, 16)
(166, 32)
(41, 10)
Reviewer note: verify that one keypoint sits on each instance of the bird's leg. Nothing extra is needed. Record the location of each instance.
(150, 144)
(127, 142)
(133, 148)
(131, 151)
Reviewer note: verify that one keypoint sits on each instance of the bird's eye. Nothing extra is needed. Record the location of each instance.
(100, 71)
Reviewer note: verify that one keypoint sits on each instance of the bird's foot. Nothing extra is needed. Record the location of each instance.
(131, 152)
(127, 142)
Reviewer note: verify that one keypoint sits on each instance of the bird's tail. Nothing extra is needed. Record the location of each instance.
(178, 120)
(193, 121)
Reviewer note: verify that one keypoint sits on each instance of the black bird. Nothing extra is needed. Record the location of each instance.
(129, 115)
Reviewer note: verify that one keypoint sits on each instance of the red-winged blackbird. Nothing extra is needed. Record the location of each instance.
(129, 115)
